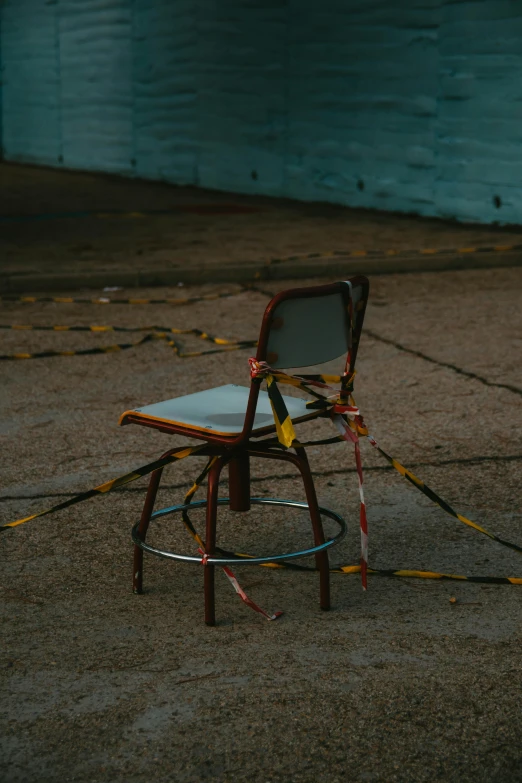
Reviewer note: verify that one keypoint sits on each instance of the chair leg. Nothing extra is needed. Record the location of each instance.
(321, 558)
(148, 507)
(210, 540)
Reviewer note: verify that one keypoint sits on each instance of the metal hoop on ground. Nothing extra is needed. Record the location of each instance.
(225, 561)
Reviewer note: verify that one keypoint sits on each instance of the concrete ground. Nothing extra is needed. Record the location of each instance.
(401, 683)
(62, 229)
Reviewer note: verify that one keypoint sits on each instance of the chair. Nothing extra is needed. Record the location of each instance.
(301, 327)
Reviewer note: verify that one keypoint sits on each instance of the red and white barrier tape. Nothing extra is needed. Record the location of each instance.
(239, 590)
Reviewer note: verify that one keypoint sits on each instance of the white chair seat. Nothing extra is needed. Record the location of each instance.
(220, 410)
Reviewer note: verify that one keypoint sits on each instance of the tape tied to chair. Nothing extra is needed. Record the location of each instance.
(348, 418)
(341, 408)
(201, 545)
(401, 573)
(109, 486)
(239, 590)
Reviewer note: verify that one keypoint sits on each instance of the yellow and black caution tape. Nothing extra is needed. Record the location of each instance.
(420, 485)
(286, 435)
(286, 438)
(109, 486)
(156, 333)
(115, 348)
(305, 382)
(225, 347)
(380, 253)
(104, 300)
(402, 573)
(405, 573)
(108, 328)
(346, 253)
(100, 328)
(183, 452)
(188, 499)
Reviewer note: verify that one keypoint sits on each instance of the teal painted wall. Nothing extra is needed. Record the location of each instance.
(165, 78)
(30, 82)
(409, 105)
(1, 81)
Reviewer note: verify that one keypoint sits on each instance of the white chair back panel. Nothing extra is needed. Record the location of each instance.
(307, 331)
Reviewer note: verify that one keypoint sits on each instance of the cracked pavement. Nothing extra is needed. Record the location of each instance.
(395, 684)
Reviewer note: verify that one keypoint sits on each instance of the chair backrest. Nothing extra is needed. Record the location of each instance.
(307, 326)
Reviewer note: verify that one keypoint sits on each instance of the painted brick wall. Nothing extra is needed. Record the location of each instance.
(165, 94)
(362, 103)
(410, 105)
(96, 105)
(31, 127)
(479, 116)
(242, 95)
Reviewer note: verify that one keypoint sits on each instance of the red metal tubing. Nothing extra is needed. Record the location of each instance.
(239, 481)
(321, 558)
(210, 539)
(148, 508)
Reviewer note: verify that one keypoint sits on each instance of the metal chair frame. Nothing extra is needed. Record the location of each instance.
(235, 451)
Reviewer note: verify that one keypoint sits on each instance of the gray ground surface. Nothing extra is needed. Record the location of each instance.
(63, 228)
(396, 684)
